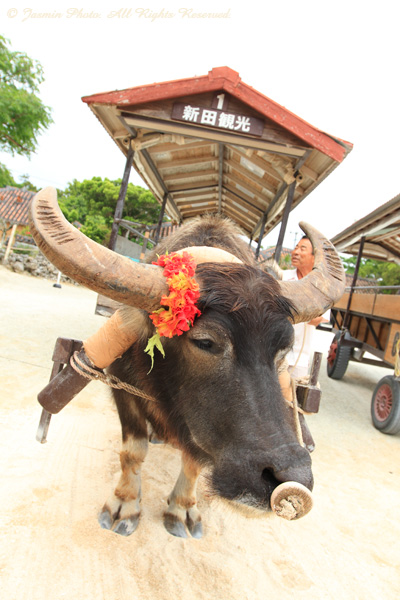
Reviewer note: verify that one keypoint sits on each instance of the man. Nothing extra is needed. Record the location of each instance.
(299, 357)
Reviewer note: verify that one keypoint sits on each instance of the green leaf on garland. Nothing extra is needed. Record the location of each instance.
(154, 342)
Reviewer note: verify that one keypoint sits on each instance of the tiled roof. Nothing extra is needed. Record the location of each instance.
(269, 252)
(14, 203)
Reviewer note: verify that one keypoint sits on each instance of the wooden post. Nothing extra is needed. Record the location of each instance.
(10, 243)
(346, 317)
(146, 235)
(160, 219)
(121, 198)
(260, 236)
(285, 216)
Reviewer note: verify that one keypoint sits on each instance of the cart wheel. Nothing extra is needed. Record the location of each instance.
(385, 405)
(338, 358)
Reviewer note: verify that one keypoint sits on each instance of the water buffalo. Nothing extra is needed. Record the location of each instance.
(216, 395)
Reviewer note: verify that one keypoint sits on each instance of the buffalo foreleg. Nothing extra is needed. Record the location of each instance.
(121, 512)
(182, 513)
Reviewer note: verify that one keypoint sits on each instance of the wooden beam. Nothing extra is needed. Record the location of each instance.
(246, 206)
(240, 196)
(244, 222)
(257, 193)
(155, 172)
(193, 192)
(195, 206)
(160, 218)
(190, 175)
(183, 162)
(258, 161)
(190, 144)
(221, 151)
(215, 135)
(269, 209)
(260, 181)
(285, 216)
(121, 198)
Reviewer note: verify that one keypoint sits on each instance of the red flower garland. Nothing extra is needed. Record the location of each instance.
(178, 309)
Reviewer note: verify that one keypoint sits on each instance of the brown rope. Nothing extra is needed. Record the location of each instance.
(110, 380)
(296, 410)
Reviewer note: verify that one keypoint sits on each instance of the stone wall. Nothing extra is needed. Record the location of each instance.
(34, 264)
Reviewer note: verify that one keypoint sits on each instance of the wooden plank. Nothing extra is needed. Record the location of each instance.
(235, 206)
(163, 110)
(261, 181)
(232, 177)
(183, 187)
(183, 162)
(205, 173)
(361, 303)
(243, 222)
(394, 336)
(258, 161)
(189, 144)
(215, 135)
(245, 205)
(202, 192)
(387, 307)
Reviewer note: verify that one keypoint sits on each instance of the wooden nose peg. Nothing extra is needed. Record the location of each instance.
(291, 500)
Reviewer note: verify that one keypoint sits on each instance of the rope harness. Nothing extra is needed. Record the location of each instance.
(110, 380)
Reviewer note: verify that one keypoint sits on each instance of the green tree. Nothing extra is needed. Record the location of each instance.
(95, 228)
(382, 273)
(92, 202)
(6, 177)
(23, 116)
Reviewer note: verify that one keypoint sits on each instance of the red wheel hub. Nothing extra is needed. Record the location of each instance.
(332, 353)
(383, 402)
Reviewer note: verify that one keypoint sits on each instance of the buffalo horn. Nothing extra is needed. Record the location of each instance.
(320, 289)
(89, 263)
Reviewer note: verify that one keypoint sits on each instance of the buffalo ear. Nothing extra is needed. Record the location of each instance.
(320, 289)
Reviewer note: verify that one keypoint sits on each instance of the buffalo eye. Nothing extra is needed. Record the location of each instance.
(203, 344)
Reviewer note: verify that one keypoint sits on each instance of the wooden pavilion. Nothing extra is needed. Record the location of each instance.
(214, 144)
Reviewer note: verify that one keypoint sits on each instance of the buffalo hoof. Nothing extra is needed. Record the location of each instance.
(196, 529)
(178, 528)
(174, 526)
(105, 520)
(123, 527)
(126, 526)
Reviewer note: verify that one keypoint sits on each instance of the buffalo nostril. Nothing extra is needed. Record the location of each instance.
(269, 479)
(302, 475)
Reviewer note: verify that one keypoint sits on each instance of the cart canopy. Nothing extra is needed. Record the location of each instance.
(381, 230)
(214, 144)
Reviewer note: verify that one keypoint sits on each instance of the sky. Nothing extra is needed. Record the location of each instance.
(334, 64)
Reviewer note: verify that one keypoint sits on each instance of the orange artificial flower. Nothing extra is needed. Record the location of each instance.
(179, 307)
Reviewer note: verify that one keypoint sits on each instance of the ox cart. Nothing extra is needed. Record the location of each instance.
(366, 320)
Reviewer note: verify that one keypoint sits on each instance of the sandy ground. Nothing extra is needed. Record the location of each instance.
(348, 547)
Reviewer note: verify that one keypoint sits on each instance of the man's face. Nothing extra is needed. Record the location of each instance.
(302, 256)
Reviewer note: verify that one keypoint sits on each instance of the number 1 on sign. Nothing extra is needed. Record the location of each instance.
(221, 99)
